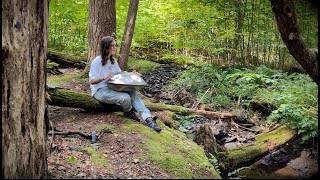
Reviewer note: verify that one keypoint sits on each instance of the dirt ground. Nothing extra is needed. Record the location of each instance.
(68, 159)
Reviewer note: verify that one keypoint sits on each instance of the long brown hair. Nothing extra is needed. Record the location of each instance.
(105, 44)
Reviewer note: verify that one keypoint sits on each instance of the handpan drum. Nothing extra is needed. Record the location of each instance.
(125, 81)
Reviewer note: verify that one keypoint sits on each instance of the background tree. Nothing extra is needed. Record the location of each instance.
(128, 34)
(24, 48)
(102, 22)
(285, 16)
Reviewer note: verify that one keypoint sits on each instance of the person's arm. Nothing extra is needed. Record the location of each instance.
(98, 80)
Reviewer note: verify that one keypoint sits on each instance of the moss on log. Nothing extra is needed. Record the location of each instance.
(263, 144)
(68, 98)
(65, 60)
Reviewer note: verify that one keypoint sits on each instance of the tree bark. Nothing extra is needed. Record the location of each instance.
(102, 22)
(23, 65)
(286, 19)
(128, 34)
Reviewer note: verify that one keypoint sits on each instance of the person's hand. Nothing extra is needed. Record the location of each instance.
(136, 72)
(108, 75)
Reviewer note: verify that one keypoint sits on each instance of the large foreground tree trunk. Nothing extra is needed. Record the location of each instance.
(286, 19)
(24, 48)
(102, 22)
(128, 34)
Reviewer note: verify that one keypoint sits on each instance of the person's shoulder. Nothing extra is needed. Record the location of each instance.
(96, 60)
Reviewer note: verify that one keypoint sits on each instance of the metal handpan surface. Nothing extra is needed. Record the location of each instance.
(127, 79)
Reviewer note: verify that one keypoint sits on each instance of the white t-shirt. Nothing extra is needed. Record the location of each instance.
(97, 71)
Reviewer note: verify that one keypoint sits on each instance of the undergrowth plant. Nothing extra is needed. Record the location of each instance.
(295, 96)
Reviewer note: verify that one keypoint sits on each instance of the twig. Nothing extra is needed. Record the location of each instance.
(85, 135)
(200, 99)
(104, 130)
(247, 128)
(52, 136)
(239, 100)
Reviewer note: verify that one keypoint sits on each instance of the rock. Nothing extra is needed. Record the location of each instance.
(82, 175)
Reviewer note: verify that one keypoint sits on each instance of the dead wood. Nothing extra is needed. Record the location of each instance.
(85, 135)
(66, 61)
(205, 137)
(264, 143)
(67, 98)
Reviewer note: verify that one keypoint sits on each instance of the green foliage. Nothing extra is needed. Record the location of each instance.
(298, 117)
(68, 22)
(295, 97)
(181, 30)
(214, 161)
(141, 65)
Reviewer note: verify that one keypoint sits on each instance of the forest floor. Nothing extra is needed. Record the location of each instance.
(75, 157)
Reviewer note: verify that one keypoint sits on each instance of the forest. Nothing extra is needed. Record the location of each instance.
(234, 85)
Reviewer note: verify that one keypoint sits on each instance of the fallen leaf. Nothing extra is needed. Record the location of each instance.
(135, 161)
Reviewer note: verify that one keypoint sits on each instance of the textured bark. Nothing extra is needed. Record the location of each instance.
(286, 19)
(102, 22)
(205, 137)
(24, 46)
(128, 34)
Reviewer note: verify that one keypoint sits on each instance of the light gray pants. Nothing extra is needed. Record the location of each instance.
(126, 98)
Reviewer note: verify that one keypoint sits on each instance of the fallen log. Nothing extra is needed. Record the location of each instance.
(68, 98)
(66, 61)
(264, 144)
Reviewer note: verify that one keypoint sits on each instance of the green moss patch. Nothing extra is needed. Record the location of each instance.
(97, 157)
(262, 144)
(62, 79)
(172, 151)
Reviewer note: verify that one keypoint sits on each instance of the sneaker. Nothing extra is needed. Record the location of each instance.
(132, 115)
(151, 122)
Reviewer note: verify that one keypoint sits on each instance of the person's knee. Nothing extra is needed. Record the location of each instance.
(125, 99)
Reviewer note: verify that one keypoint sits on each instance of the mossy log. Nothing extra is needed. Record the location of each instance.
(264, 144)
(68, 98)
(66, 61)
(53, 68)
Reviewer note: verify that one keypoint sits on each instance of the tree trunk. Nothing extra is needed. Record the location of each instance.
(102, 22)
(239, 6)
(24, 48)
(128, 34)
(286, 19)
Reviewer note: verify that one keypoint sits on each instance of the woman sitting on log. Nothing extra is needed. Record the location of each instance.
(102, 68)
